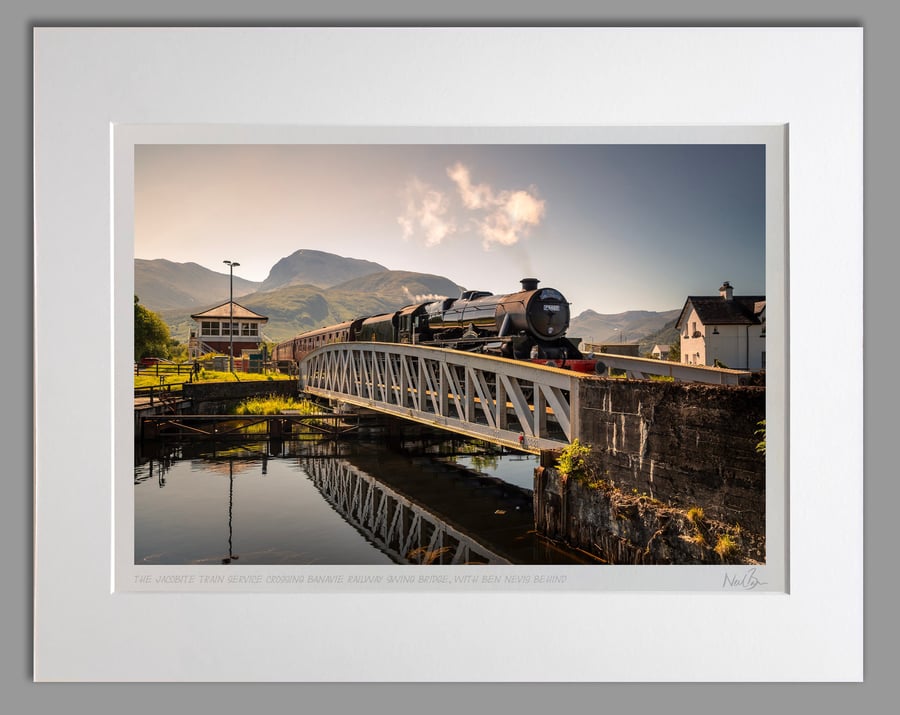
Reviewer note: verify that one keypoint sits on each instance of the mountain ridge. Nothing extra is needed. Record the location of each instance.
(161, 284)
(294, 304)
(318, 268)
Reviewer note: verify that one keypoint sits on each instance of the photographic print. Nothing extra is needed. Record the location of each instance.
(450, 354)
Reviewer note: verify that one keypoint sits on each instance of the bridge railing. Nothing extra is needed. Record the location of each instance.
(638, 368)
(521, 405)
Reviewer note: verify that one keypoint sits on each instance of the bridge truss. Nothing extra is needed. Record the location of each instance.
(515, 404)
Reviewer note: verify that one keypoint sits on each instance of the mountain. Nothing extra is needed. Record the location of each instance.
(316, 268)
(632, 326)
(297, 308)
(664, 336)
(403, 286)
(164, 285)
(310, 289)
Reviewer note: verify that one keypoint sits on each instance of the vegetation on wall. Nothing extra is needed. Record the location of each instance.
(761, 432)
(571, 459)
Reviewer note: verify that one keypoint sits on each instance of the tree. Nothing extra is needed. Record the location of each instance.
(178, 351)
(151, 334)
(675, 350)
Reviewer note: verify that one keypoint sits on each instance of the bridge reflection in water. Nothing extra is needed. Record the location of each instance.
(403, 530)
(421, 509)
(410, 503)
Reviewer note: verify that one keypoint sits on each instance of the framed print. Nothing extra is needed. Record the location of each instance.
(111, 145)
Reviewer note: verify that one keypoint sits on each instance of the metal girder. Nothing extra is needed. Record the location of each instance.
(508, 402)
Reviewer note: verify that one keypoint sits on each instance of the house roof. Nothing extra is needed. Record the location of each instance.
(661, 348)
(225, 311)
(715, 310)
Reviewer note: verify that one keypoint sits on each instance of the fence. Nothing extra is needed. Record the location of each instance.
(164, 368)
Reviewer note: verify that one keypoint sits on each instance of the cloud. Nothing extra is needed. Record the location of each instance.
(473, 197)
(499, 217)
(504, 216)
(426, 213)
(512, 219)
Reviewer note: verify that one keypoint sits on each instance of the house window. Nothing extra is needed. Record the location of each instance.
(209, 327)
(249, 329)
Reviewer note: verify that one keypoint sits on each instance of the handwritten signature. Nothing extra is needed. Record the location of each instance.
(746, 582)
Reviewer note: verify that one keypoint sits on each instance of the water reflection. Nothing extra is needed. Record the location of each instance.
(350, 503)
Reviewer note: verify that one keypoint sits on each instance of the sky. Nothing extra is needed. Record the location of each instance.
(613, 227)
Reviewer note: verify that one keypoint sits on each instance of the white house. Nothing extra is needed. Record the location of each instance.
(660, 352)
(726, 330)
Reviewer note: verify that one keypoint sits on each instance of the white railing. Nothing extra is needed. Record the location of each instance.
(516, 404)
(644, 368)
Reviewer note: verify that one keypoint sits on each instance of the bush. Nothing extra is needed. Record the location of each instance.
(571, 460)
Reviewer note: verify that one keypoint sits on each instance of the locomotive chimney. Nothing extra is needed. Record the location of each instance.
(530, 283)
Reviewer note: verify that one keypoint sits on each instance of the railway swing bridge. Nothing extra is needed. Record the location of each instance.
(511, 403)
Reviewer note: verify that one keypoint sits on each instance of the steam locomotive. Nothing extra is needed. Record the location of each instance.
(528, 325)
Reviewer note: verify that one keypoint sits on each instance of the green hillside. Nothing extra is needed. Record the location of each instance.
(165, 285)
(298, 308)
(665, 336)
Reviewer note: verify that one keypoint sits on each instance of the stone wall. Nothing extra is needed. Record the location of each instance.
(216, 398)
(683, 444)
(623, 528)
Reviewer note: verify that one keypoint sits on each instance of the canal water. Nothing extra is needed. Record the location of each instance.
(321, 502)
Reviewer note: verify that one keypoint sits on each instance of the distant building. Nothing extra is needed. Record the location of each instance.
(661, 352)
(213, 334)
(630, 349)
(726, 330)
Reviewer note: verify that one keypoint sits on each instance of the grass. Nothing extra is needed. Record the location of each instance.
(214, 376)
(695, 515)
(273, 405)
(148, 379)
(153, 380)
(726, 546)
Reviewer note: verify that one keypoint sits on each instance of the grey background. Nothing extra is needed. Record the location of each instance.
(881, 57)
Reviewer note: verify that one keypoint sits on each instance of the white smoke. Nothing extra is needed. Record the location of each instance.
(426, 213)
(506, 216)
(421, 297)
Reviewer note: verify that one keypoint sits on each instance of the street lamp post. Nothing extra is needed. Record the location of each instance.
(231, 265)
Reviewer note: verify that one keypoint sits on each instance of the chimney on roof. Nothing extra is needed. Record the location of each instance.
(726, 291)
